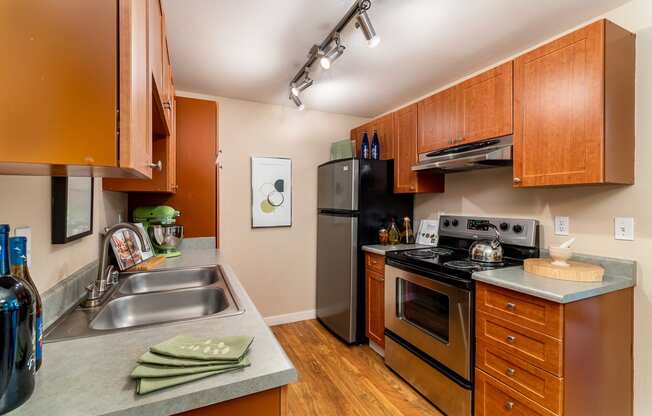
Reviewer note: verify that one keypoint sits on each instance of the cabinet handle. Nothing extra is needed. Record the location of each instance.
(510, 372)
(517, 180)
(158, 165)
(511, 306)
(510, 339)
(509, 405)
(167, 105)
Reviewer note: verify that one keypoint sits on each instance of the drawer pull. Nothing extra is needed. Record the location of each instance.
(510, 372)
(510, 306)
(509, 406)
(510, 339)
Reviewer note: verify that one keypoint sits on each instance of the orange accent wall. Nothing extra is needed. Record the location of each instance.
(197, 176)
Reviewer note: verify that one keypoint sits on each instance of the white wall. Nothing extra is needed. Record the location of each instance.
(26, 201)
(277, 265)
(591, 209)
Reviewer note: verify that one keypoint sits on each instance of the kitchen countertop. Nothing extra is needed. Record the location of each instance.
(382, 249)
(90, 376)
(560, 291)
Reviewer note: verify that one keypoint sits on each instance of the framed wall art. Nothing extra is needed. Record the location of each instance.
(72, 208)
(271, 192)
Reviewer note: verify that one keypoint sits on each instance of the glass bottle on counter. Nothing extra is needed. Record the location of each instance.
(394, 235)
(364, 148)
(17, 338)
(19, 269)
(375, 146)
(408, 234)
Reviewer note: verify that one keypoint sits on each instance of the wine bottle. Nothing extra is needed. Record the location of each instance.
(375, 147)
(19, 269)
(364, 149)
(394, 234)
(17, 340)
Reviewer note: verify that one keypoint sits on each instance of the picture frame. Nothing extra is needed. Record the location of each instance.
(72, 208)
(271, 192)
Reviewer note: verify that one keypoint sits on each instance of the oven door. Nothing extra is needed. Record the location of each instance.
(432, 316)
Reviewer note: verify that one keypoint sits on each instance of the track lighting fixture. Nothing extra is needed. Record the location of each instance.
(363, 22)
(297, 102)
(331, 48)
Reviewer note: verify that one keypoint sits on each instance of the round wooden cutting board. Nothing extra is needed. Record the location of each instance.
(576, 271)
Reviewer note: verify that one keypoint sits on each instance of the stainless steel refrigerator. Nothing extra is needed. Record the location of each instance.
(355, 199)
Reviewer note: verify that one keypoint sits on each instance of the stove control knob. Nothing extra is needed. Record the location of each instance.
(456, 223)
(517, 228)
(446, 223)
(504, 226)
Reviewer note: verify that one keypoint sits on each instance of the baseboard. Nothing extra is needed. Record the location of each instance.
(377, 348)
(291, 317)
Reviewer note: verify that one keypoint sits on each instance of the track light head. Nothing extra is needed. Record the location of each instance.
(364, 23)
(297, 102)
(298, 87)
(331, 55)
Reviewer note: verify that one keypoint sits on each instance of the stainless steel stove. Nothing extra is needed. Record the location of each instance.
(429, 306)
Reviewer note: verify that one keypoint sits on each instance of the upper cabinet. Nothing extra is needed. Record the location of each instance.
(574, 109)
(479, 108)
(405, 156)
(59, 124)
(383, 126)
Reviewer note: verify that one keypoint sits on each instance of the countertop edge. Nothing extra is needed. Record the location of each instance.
(384, 249)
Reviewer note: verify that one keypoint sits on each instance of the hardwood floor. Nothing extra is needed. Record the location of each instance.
(339, 380)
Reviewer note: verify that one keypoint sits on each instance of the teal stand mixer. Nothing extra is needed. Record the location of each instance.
(160, 223)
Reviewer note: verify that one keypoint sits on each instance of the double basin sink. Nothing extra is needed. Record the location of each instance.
(152, 298)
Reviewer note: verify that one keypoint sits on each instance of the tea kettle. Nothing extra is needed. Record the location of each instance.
(487, 251)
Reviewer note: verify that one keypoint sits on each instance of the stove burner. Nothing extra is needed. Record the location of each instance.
(462, 265)
(428, 252)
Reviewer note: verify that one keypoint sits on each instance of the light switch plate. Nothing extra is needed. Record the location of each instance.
(562, 225)
(624, 228)
(26, 232)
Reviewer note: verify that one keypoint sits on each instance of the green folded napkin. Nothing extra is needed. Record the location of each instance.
(156, 359)
(219, 349)
(158, 371)
(148, 385)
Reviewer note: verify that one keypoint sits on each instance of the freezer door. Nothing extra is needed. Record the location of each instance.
(337, 274)
(338, 185)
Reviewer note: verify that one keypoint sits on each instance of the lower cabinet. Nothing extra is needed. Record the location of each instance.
(536, 357)
(375, 298)
(272, 402)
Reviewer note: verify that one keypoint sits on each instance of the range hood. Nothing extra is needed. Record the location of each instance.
(479, 155)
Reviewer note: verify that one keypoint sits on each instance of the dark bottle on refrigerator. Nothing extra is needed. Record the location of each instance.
(17, 335)
(364, 149)
(19, 269)
(375, 146)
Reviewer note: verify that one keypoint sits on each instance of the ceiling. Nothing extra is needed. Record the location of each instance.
(250, 49)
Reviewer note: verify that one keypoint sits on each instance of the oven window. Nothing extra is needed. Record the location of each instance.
(425, 308)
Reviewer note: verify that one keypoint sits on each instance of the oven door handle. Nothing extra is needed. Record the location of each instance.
(463, 325)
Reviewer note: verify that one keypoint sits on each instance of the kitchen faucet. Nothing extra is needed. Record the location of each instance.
(107, 276)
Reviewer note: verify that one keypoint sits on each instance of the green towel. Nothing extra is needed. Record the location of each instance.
(148, 385)
(158, 371)
(218, 349)
(156, 359)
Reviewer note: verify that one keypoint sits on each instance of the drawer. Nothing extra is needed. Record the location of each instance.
(524, 310)
(534, 383)
(533, 347)
(493, 398)
(375, 262)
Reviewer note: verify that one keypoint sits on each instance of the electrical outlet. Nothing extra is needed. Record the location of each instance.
(624, 228)
(562, 225)
(26, 232)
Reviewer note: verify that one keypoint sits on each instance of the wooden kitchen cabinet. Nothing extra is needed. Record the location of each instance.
(156, 44)
(56, 124)
(383, 126)
(479, 108)
(537, 357)
(405, 156)
(375, 298)
(272, 402)
(574, 109)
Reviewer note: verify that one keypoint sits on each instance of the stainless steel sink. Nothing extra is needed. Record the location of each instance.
(156, 281)
(152, 298)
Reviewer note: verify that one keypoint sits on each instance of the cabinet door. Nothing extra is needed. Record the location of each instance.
(386, 137)
(485, 105)
(156, 44)
(405, 145)
(559, 118)
(375, 307)
(438, 121)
